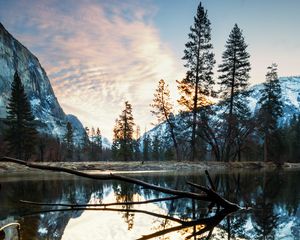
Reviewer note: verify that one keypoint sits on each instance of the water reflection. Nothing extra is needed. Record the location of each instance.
(274, 197)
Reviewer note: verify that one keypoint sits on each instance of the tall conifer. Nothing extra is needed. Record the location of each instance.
(234, 79)
(199, 58)
(21, 133)
(98, 142)
(123, 134)
(271, 107)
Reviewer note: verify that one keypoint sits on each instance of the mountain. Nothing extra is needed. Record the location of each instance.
(49, 115)
(290, 87)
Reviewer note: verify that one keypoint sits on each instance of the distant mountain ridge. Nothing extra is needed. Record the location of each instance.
(290, 87)
(45, 107)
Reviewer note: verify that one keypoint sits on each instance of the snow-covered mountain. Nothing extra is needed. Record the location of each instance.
(46, 109)
(290, 87)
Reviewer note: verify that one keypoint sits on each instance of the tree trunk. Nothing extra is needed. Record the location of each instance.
(266, 148)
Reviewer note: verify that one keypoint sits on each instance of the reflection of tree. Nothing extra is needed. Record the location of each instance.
(196, 227)
(234, 189)
(235, 223)
(264, 219)
(58, 189)
(125, 193)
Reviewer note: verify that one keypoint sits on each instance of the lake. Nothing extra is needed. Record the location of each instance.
(274, 198)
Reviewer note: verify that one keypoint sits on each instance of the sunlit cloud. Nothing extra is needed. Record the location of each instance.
(97, 55)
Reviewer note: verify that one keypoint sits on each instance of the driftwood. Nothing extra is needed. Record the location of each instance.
(207, 194)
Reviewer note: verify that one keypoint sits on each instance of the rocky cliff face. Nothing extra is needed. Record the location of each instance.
(46, 109)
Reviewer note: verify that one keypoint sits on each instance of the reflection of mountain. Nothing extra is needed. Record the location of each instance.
(273, 195)
(57, 189)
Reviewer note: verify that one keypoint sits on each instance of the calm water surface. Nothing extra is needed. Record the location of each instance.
(273, 195)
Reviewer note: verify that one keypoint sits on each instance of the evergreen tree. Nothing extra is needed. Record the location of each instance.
(271, 107)
(98, 142)
(156, 149)
(78, 151)
(234, 79)
(85, 139)
(68, 140)
(292, 139)
(146, 147)
(93, 151)
(198, 83)
(21, 133)
(123, 134)
(85, 143)
(163, 110)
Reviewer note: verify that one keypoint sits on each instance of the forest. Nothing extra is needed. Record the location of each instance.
(214, 123)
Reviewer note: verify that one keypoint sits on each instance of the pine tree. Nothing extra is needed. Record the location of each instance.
(198, 83)
(156, 149)
(146, 147)
(234, 79)
(21, 133)
(68, 140)
(271, 107)
(98, 142)
(123, 134)
(293, 136)
(93, 151)
(163, 110)
(85, 142)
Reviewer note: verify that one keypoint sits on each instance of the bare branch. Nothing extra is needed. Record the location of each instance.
(100, 204)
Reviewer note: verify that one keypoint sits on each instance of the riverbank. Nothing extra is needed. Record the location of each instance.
(147, 166)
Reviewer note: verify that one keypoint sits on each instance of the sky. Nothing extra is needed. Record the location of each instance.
(99, 53)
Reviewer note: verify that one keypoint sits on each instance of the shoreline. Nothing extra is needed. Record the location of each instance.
(151, 166)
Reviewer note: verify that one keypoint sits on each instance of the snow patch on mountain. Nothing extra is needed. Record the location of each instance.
(290, 87)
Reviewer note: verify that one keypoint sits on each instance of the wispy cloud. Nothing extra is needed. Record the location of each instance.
(97, 54)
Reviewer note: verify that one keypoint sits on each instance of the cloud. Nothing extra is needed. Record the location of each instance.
(97, 55)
